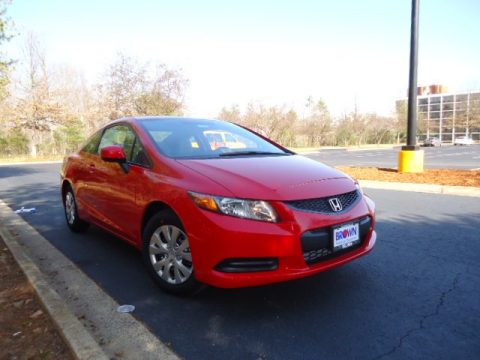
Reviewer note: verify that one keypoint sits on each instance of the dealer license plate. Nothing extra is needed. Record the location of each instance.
(345, 236)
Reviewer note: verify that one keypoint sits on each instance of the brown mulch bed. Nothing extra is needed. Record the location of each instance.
(430, 176)
(26, 330)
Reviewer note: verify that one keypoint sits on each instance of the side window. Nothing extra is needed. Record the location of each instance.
(139, 156)
(120, 135)
(92, 143)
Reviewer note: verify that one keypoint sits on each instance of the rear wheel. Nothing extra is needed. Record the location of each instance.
(71, 213)
(167, 255)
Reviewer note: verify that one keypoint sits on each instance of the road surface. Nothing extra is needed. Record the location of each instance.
(415, 296)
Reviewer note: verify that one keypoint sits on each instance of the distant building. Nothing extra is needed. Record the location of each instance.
(446, 115)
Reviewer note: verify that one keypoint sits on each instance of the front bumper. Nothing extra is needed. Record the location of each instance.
(216, 238)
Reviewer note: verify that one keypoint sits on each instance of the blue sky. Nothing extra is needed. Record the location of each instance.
(273, 52)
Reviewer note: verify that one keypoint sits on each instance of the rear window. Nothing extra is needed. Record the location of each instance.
(91, 145)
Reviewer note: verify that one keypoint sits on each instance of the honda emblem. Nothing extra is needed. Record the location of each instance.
(335, 204)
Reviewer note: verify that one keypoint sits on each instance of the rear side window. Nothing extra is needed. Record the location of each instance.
(92, 144)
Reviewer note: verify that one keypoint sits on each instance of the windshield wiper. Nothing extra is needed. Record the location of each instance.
(243, 153)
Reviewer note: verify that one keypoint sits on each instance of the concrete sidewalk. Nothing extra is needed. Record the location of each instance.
(422, 188)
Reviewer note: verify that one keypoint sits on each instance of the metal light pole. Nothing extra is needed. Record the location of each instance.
(411, 158)
(412, 80)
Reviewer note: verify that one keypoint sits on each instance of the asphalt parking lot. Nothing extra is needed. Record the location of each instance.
(415, 296)
(444, 157)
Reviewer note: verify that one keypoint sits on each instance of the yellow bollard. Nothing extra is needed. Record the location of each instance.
(410, 161)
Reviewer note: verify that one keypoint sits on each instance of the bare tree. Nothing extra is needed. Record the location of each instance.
(400, 121)
(380, 129)
(132, 88)
(231, 113)
(277, 123)
(48, 102)
(124, 80)
(36, 109)
(5, 63)
(317, 125)
(164, 93)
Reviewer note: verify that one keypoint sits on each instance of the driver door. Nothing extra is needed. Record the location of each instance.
(115, 189)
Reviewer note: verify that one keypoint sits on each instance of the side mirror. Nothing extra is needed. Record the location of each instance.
(113, 153)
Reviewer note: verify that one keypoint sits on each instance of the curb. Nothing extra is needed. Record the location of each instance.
(75, 335)
(316, 150)
(422, 188)
(31, 163)
(85, 314)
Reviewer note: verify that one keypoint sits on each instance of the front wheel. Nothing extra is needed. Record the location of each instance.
(167, 255)
(71, 213)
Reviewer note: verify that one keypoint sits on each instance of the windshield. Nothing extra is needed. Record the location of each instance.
(196, 139)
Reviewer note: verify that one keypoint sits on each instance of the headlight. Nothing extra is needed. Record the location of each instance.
(359, 188)
(247, 209)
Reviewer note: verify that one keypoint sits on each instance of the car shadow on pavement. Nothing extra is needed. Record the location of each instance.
(14, 171)
(47, 214)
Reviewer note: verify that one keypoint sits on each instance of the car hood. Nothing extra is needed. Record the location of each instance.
(290, 177)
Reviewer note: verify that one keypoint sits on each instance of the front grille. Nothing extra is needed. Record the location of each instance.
(322, 205)
(317, 244)
(313, 256)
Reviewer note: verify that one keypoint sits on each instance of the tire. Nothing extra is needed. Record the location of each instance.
(74, 222)
(166, 253)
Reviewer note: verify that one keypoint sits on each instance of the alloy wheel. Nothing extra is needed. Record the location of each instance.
(70, 208)
(169, 252)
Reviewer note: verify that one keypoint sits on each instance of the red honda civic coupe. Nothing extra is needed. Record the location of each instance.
(249, 212)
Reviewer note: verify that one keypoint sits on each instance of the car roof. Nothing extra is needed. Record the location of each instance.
(180, 118)
(136, 119)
